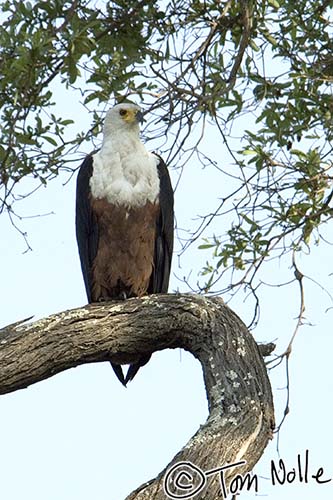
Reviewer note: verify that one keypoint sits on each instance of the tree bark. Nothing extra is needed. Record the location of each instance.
(241, 414)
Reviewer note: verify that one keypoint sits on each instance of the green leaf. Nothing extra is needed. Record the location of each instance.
(25, 139)
(67, 122)
(205, 246)
(248, 152)
(254, 46)
(274, 3)
(50, 140)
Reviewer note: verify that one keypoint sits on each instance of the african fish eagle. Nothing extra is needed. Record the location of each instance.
(124, 217)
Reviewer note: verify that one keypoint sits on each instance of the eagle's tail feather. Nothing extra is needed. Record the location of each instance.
(133, 369)
(119, 372)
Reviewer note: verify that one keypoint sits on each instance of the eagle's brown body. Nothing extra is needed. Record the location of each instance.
(125, 257)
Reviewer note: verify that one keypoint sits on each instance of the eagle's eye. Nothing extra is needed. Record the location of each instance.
(122, 112)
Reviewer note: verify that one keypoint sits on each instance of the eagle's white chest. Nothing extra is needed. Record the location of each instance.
(125, 173)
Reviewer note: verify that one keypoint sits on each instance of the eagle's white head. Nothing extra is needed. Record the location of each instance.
(122, 118)
(125, 173)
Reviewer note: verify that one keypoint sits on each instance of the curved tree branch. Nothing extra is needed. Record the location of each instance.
(241, 415)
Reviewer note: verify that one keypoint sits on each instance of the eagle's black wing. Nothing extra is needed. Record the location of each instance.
(86, 226)
(159, 280)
